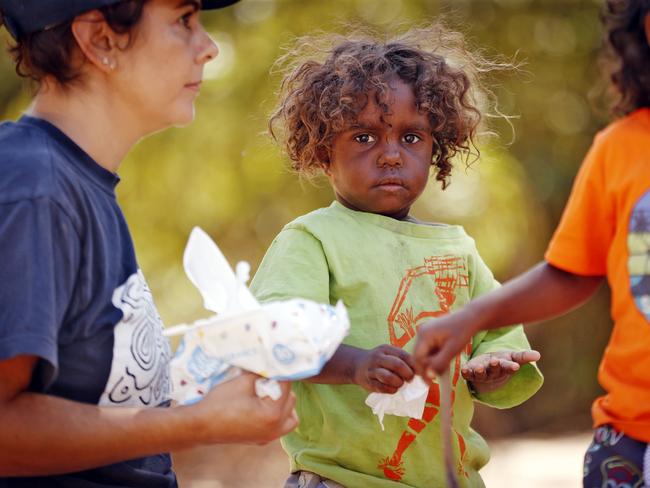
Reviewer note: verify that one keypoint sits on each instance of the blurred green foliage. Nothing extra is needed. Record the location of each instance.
(224, 174)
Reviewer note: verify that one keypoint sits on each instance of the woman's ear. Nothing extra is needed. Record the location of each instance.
(96, 40)
(646, 22)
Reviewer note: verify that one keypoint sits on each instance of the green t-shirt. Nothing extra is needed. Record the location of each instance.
(392, 276)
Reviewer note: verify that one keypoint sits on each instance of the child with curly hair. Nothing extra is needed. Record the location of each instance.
(604, 232)
(375, 117)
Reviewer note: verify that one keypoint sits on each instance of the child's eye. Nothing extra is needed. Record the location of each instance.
(411, 138)
(364, 138)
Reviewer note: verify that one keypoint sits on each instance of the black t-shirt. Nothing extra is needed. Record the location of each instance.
(72, 294)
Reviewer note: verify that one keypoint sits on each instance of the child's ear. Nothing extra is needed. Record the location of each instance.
(323, 159)
(325, 167)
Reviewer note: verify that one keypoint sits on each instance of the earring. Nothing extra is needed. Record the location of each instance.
(110, 64)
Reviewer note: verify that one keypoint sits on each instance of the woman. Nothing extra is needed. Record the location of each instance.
(79, 332)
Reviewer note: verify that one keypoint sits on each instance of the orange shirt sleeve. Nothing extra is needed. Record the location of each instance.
(582, 240)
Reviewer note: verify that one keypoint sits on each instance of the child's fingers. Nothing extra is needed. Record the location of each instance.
(386, 377)
(409, 360)
(503, 368)
(494, 368)
(525, 357)
(467, 373)
(398, 366)
(481, 362)
(509, 366)
(433, 360)
(480, 372)
(380, 387)
(401, 354)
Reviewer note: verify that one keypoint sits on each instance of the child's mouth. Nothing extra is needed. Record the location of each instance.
(391, 184)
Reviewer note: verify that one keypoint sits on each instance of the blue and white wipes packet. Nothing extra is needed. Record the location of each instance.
(282, 340)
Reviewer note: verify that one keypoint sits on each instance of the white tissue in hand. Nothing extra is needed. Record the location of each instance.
(408, 401)
(283, 340)
(268, 388)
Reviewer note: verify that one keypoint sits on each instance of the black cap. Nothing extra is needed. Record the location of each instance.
(29, 16)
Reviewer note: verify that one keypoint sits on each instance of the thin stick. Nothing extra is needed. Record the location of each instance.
(445, 429)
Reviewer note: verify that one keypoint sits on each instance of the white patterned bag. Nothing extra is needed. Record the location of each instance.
(284, 340)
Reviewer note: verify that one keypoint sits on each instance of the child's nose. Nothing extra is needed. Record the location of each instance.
(390, 156)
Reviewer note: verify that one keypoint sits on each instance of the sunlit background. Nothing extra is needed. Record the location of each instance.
(224, 174)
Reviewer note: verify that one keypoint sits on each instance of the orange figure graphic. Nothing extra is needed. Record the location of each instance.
(445, 275)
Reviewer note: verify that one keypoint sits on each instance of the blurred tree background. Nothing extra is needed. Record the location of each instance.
(224, 174)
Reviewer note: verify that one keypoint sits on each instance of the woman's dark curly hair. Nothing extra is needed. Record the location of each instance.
(627, 55)
(50, 52)
(328, 79)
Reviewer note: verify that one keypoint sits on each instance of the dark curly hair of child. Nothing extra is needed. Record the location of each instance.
(328, 79)
(627, 53)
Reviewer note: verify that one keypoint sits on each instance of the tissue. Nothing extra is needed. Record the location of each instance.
(408, 401)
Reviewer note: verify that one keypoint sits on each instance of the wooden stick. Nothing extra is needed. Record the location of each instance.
(444, 382)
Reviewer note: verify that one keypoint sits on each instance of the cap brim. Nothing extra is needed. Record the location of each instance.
(214, 4)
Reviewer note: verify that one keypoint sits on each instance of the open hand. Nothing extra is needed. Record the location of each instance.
(384, 369)
(488, 372)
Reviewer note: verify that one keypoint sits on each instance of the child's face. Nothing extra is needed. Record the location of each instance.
(382, 166)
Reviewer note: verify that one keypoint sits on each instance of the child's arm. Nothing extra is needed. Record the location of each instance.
(581, 243)
(513, 387)
(383, 369)
(539, 294)
(295, 266)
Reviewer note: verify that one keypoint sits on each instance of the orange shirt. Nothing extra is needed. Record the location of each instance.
(605, 230)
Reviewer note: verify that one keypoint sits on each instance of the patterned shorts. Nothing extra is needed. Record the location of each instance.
(614, 460)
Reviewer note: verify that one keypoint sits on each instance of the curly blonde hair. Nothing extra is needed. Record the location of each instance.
(328, 79)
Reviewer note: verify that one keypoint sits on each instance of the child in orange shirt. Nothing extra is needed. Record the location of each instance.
(604, 232)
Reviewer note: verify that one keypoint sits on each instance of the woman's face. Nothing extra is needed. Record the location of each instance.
(159, 75)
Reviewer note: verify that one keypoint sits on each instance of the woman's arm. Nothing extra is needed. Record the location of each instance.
(43, 434)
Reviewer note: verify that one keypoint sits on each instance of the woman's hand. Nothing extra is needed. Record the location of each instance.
(232, 412)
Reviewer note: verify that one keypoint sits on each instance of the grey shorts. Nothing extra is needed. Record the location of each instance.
(305, 479)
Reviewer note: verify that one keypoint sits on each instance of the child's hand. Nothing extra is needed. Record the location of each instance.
(384, 369)
(489, 372)
(441, 339)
